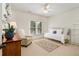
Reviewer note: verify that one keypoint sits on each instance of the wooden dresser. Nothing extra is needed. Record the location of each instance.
(12, 47)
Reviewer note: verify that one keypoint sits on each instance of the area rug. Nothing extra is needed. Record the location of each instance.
(47, 45)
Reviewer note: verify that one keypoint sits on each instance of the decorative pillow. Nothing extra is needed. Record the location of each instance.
(54, 32)
(59, 31)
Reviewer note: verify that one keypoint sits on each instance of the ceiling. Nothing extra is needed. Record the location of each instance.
(36, 8)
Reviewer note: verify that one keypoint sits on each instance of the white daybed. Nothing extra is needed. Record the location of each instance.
(57, 34)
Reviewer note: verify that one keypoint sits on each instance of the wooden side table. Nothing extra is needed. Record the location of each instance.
(12, 47)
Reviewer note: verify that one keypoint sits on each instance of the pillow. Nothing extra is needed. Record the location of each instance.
(54, 32)
(59, 31)
(62, 32)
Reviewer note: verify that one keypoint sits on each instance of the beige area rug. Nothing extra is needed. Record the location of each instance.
(47, 45)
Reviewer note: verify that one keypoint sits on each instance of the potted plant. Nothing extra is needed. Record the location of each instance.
(9, 32)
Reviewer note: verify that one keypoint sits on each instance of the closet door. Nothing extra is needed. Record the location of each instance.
(75, 34)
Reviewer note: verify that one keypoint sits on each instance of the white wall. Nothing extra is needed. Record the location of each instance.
(0, 12)
(0, 21)
(65, 20)
(0, 9)
(23, 20)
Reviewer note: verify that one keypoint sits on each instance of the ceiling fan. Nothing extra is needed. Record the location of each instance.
(46, 8)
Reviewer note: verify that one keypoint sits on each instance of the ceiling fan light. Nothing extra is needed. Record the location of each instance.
(47, 6)
(45, 11)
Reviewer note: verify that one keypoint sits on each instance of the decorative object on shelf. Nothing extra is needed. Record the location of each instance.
(7, 26)
(6, 13)
(9, 32)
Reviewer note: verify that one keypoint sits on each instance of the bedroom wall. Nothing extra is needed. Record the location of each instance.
(23, 21)
(0, 10)
(65, 20)
(0, 20)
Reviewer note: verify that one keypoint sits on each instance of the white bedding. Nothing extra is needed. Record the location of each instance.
(56, 33)
(55, 36)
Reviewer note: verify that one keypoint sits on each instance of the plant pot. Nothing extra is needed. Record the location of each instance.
(9, 35)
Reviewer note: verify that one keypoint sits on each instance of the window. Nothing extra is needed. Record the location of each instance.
(36, 27)
(33, 27)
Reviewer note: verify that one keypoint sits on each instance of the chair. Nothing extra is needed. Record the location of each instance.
(26, 40)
